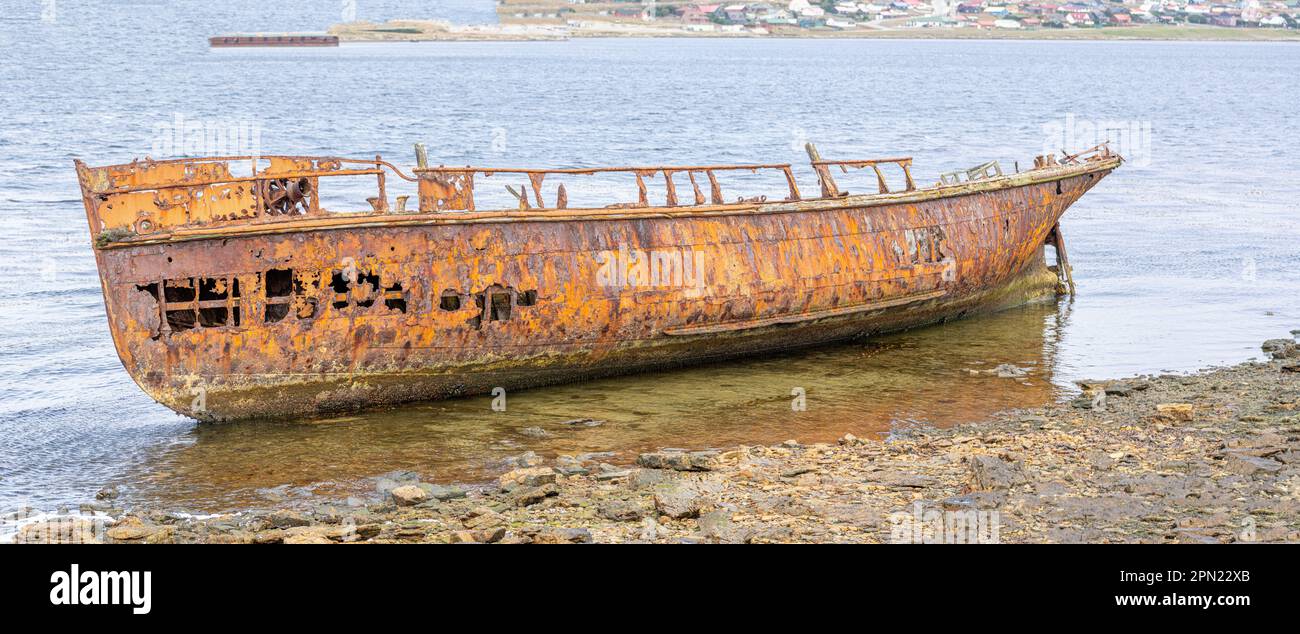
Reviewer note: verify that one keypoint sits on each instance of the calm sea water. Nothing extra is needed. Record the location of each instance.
(1186, 257)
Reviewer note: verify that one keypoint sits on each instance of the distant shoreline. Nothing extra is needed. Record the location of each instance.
(429, 31)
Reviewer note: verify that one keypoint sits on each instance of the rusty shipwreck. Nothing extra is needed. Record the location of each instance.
(234, 290)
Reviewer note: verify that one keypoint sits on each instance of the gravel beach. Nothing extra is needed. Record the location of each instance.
(1208, 457)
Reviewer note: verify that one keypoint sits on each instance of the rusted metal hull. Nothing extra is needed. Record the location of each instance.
(328, 314)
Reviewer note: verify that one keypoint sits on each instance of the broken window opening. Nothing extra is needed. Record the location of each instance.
(179, 290)
(393, 298)
(527, 298)
(279, 282)
(212, 288)
(450, 300)
(500, 307)
(212, 317)
(276, 312)
(276, 285)
(339, 285)
(180, 319)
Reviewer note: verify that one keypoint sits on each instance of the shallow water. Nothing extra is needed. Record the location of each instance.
(1185, 257)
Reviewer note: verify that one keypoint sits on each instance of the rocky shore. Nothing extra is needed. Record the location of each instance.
(1209, 457)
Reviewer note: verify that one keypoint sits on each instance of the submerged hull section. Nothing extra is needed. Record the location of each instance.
(321, 316)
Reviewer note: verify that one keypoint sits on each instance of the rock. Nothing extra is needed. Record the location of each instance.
(681, 499)
(649, 530)
(613, 475)
(1082, 402)
(621, 511)
(535, 432)
(490, 535)
(646, 478)
(678, 461)
(1099, 460)
(529, 477)
(132, 529)
(108, 493)
(1125, 388)
(1175, 412)
(408, 495)
(1098, 400)
(444, 493)
(989, 473)
(1250, 465)
(393, 479)
(850, 439)
(463, 537)
(62, 530)
(532, 495)
(562, 536)
(1281, 348)
(307, 538)
(481, 517)
(285, 518)
(1009, 371)
(718, 525)
(570, 466)
(526, 459)
(583, 422)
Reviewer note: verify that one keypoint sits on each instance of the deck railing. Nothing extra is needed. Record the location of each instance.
(452, 188)
(831, 190)
(150, 197)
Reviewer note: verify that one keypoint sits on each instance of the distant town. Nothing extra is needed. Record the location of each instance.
(1078, 19)
(761, 17)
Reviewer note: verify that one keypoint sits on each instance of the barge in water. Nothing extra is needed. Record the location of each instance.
(232, 291)
(236, 40)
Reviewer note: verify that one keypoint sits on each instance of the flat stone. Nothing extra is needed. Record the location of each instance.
(532, 495)
(1176, 412)
(1250, 465)
(680, 499)
(444, 493)
(562, 536)
(989, 473)
(285, 518)
(307, 538)
(408, 495)
(677, 461)
(529, 477)
(621, 511)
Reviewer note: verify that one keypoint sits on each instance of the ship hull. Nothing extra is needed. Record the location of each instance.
(309, 318)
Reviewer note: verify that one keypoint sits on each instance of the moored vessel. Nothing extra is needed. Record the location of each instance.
(235, 289)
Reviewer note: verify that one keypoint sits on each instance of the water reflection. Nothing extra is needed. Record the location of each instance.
(866, 388)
